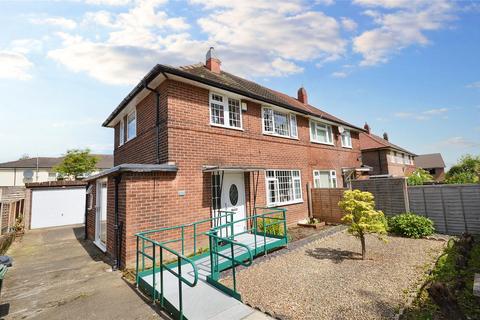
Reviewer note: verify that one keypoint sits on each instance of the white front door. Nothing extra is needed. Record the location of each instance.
(233, 198)
(101, 215)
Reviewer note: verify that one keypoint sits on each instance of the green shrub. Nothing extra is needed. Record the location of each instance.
(411, 225)
(271, 229)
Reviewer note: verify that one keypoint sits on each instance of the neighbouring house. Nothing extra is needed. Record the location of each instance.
(39, 169)
(384, 157)
(433, 163)
(193, 140)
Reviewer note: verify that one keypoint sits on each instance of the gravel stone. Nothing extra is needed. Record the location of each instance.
(326, 278)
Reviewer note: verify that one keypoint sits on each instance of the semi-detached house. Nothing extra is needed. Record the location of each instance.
(193, 140)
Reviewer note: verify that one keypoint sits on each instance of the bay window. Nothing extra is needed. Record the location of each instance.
(324, 179)
(321, 132)
(225, 111)
(283, 187)
(279, 123)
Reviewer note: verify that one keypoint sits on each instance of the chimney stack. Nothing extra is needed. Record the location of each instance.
(367, 127)
(385, 136)
(212, 61)
(302, 95)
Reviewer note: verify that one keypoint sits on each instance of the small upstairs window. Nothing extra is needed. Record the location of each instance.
(346, 139)
(121, 135)
(225, 111)
(131, 125)
(279, 123)
(321, 132)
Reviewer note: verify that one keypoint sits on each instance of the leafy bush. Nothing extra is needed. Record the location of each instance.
(419, 177)
(411, 225)
(271, 229)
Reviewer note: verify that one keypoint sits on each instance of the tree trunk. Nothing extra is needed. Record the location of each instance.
(362, 240)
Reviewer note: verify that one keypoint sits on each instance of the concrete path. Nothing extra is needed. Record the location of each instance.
(57, 275)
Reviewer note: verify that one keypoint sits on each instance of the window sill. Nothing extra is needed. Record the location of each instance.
(279, 136)
(346, 147)
(226, 127)
(325, 143)
(284, 204)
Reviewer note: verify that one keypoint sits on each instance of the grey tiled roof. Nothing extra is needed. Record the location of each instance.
(105, 161)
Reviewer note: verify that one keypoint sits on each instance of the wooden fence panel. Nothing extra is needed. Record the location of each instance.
(390, 194)
(325, 204)
(453, 208)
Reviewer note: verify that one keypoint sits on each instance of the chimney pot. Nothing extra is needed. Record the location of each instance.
(302, 95)
(367, 127)
(385, 136)
(212, 62)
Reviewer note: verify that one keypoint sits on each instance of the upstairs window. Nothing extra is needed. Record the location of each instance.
(346, 139)
(224, 111)
(131, 125)
(321, 132)
(324, 179)
(283, 187)
(121, 136)
(279, 123)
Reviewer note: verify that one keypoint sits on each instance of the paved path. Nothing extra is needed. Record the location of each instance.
(57, 275)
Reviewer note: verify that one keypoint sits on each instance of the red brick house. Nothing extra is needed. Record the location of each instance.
(195, 139)
(384, 157)
(433, 163)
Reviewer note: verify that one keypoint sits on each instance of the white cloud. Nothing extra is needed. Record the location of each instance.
(339, 74)
(257, 38)
(56, 21)
(325, 2)
(348, 24)
(109, 2)
(25, 46)
(474, 85)
(423, 115)
(458, 142)
(403, 27)
(14, 65)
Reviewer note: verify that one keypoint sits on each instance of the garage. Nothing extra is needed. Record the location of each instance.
(56, 204)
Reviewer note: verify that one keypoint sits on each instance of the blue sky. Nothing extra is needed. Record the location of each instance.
(408, 67)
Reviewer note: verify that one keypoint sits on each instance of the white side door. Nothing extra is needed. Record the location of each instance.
(233, 198)
(101, 215)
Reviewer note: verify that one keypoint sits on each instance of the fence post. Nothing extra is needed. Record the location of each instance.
(460, 188)
(444, 210)
(310, 202)
(406, 196)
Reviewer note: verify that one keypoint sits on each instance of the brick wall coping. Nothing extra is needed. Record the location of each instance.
(135, 167)
(56, 184)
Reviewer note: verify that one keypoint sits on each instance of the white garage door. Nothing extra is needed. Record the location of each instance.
(57, 207)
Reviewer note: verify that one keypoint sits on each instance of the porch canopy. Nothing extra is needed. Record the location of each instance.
(232, 169)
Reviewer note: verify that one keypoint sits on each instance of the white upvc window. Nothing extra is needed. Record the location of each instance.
(121, 136)
(131, 125)
(321, 132)
(346, 139)
(279, 123)
(324, 178)
(225, 111)
(283, 187)
(90, 197)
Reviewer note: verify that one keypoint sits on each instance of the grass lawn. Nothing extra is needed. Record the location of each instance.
(446, 271)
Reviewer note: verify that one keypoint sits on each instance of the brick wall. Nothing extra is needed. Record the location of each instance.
(152, 200)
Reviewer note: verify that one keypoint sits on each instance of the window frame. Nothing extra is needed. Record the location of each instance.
(128, 138)
(328, 129)
(296, 179)
(90, 197)
(291, 121)
(226, 111)
(332, 179)
(349, 146)
(121, 134)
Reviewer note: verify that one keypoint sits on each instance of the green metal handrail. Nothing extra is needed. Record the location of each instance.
(180, 259)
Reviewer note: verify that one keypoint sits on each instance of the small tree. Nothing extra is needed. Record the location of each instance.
(76, 164)
(419, 177)
(467, 170)
(360, 214)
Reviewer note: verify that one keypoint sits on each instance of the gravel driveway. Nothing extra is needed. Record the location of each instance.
(326, 279)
